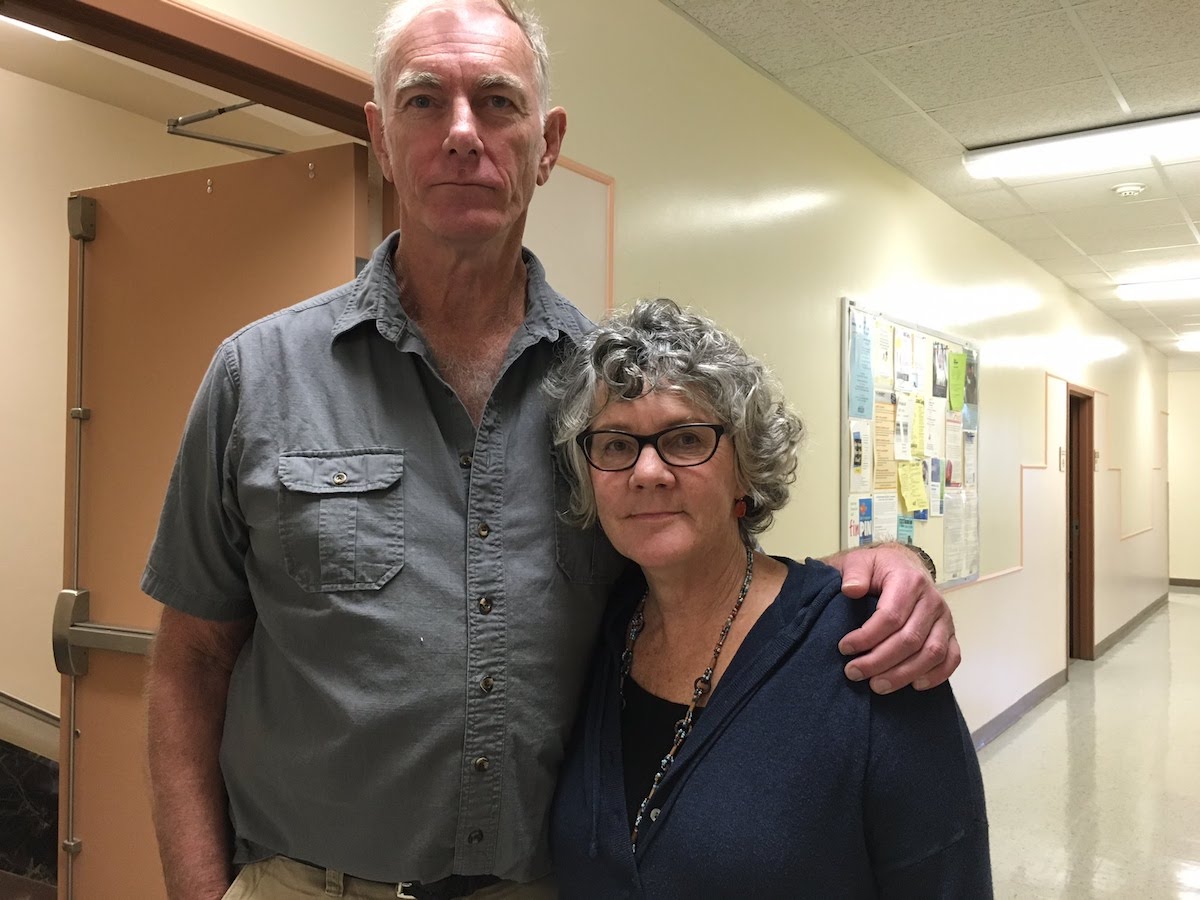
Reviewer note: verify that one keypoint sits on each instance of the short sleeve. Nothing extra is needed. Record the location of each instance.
(197, 562)
(926, 820)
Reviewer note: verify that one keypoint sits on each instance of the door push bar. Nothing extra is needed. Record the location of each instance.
(73, 635)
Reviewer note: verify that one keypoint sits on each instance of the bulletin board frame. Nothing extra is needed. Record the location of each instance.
(885, 452)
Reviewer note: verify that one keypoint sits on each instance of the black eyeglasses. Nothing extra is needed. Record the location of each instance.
(683, 445)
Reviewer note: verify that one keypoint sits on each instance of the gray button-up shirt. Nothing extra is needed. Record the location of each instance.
(424, 619)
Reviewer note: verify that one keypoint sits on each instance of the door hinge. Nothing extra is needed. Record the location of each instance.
(82, 413)
(81, 217)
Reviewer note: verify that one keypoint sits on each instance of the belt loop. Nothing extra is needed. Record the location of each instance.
(402, 891)
(334, 883)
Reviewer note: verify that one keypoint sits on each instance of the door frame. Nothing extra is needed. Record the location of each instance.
(1081, 506)
(208, 47)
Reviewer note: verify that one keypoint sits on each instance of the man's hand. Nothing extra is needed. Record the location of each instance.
(909, 639)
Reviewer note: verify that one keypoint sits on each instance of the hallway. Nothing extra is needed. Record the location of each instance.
(1096, 792)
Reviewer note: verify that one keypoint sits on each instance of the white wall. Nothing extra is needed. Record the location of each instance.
(51, 142)
(1183, 391)
(734, 196)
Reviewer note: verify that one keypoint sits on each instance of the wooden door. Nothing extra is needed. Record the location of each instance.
(176, 264)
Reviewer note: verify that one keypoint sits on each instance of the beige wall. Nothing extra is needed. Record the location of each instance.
(735, 196)
(51, 142)
(1183, 391)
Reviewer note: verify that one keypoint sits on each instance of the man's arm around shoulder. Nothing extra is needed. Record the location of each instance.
(188, 683)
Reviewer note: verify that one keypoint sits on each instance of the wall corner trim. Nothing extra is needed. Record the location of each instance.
(988, 732)
(1125, 630)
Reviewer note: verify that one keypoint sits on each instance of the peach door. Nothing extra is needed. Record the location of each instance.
(176, 264)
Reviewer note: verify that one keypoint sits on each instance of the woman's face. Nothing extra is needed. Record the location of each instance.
(663, 516)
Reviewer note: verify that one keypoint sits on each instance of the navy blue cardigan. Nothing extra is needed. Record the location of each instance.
(795, 782)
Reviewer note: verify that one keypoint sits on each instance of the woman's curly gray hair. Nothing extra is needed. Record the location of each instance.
(658, 346)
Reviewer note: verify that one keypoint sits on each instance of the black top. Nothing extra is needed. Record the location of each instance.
(647, 733)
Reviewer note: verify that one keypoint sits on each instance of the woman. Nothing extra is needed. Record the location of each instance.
(722, 752)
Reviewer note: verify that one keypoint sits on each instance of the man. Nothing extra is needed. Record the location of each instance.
(375, 626)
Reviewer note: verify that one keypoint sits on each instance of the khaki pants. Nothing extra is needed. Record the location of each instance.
(280, 878)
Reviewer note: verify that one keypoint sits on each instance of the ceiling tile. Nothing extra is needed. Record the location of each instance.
(1130, 215)
(1118, 241)
(847, 90)
(1088, 191)
(1020, 228)
(906, 139)
(778, 35)
(868, 25)
(1184, 178)
(1125, 267)
(1044, 248)
(1072, 264)
(1054, 109)
(1090, 281)
(987, 205)
(1138, 34)
(1162, 90)
(1192, 205)
(989, 62)
(946, 176)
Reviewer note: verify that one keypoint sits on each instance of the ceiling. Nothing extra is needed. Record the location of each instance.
(920, 81)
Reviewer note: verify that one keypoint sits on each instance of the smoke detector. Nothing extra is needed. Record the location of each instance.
(1129, 189)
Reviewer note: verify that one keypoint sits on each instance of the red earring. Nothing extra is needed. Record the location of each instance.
(739, 508)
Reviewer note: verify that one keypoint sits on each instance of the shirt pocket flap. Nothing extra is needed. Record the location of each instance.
(340, 471)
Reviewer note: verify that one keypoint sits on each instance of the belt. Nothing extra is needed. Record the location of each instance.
(446, 889)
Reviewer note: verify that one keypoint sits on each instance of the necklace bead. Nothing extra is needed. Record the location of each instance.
(700, 687)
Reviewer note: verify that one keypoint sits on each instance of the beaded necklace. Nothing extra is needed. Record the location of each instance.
(702, 685)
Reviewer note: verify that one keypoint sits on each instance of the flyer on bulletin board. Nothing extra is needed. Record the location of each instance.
(861, 386)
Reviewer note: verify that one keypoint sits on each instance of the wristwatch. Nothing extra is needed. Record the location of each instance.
(925, 558)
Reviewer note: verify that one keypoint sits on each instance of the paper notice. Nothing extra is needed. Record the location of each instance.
(881, 355)
(954, 449)
(958, 380)
(935, 426)
(861, 385)
(886, 513)
(971, 532)
(912, 486)
(904, 529)
(970, 457)
(861, 457)
(860, 522)
(918, 427)
(885, 458)
(904, 421)
(906, 376)
(935, 485)
(954, 551)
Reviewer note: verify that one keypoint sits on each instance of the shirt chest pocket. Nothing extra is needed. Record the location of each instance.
(341, 517)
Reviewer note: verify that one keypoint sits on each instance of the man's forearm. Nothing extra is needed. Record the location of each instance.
(186, 714)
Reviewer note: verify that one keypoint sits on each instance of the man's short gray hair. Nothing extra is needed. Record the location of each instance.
(657, 346)
(401, 14)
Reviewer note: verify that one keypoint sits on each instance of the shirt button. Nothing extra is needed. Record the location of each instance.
(482, 764)
(464, 460)
(486, 683)
(339, 479)
(484, 530)
(485, 605)
(475, 837)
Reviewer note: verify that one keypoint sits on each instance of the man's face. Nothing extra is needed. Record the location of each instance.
(461, 135)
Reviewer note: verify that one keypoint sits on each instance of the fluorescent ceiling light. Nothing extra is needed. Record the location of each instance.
(1188, 289)
(42, 31)
(1189, 343)
(1134, 145)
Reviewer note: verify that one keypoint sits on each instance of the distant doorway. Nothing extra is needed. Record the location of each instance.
(1081, 547)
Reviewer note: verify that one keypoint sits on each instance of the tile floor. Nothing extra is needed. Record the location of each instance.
(1096, 793)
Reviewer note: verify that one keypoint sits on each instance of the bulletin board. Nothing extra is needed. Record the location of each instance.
(910, 440)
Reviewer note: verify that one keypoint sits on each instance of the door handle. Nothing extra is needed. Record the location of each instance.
(73, 634)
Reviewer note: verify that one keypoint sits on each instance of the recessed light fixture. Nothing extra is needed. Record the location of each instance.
(1134, 145)
(1129, 189)
(1190, 342)
(1187, 289)
(33, 28)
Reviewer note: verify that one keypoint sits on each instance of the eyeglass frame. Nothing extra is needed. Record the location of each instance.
(652, 440)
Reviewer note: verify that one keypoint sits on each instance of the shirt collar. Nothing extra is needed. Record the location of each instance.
(375, 297)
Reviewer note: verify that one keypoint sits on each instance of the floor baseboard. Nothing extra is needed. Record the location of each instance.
(1125, 630)
(987, 733)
